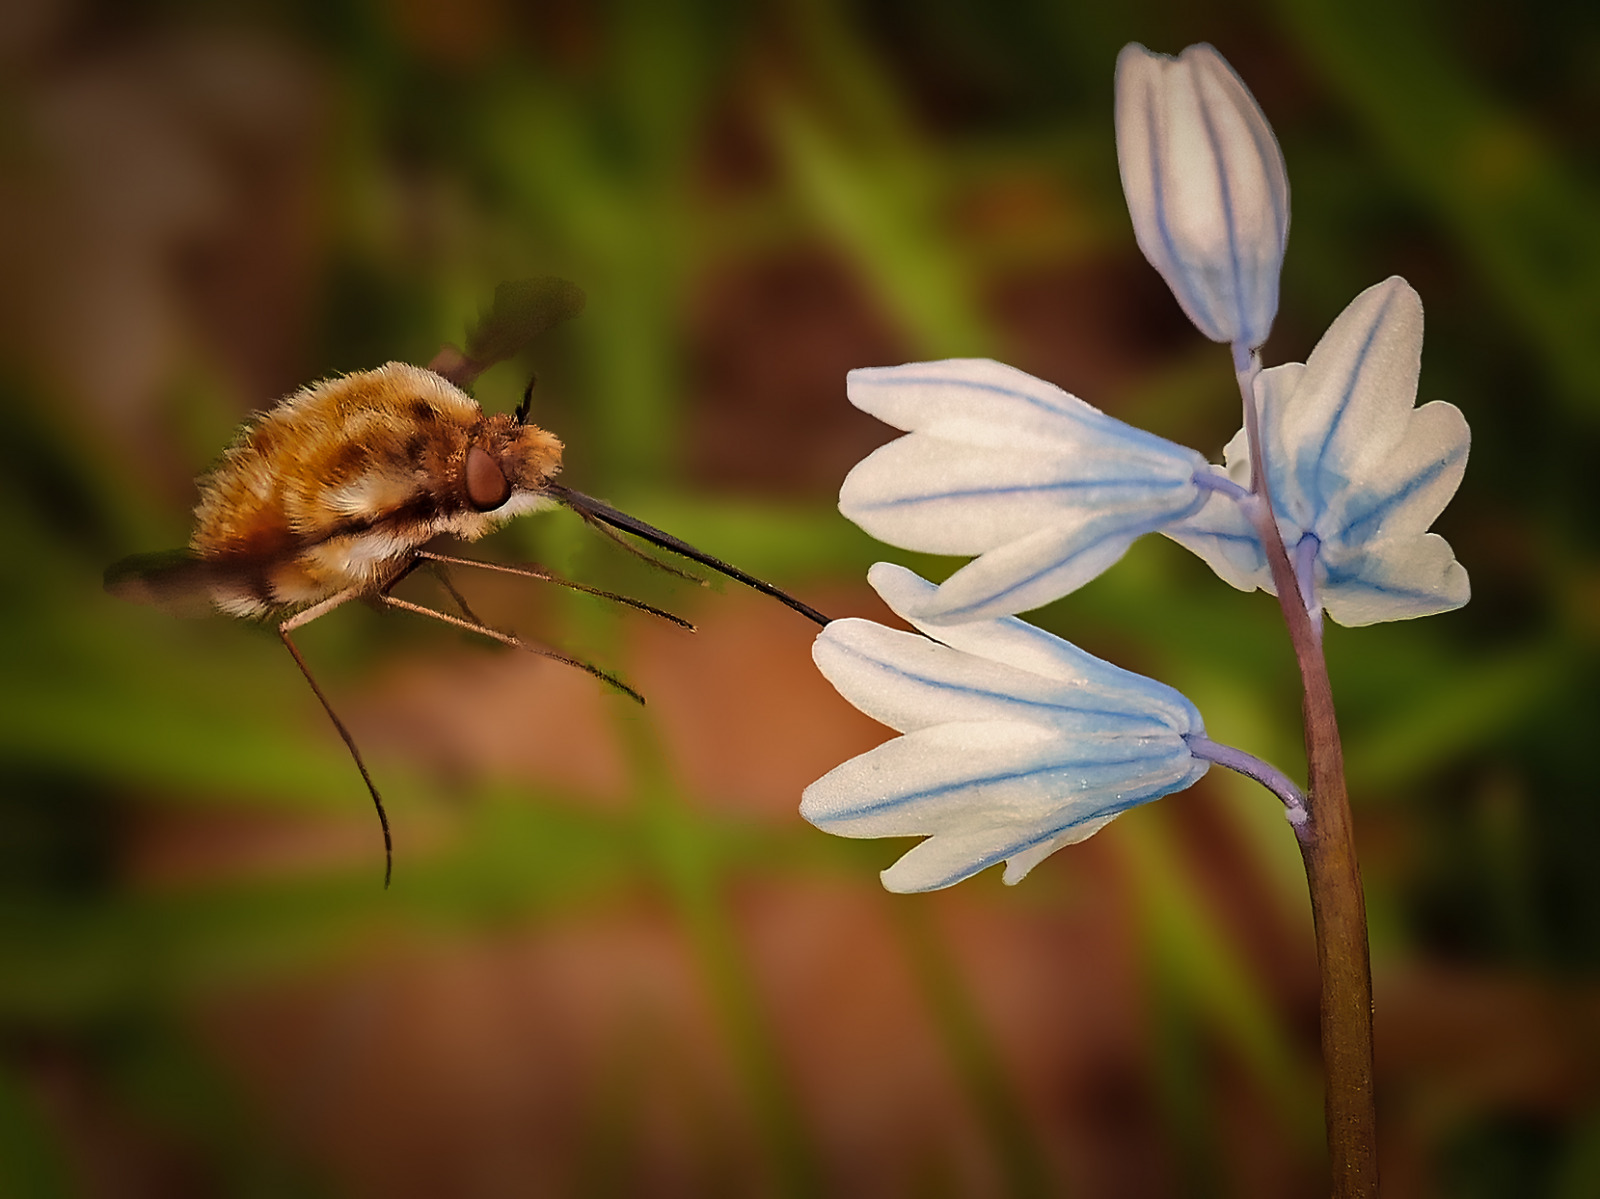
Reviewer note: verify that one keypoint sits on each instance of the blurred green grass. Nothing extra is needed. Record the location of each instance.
(325, 187)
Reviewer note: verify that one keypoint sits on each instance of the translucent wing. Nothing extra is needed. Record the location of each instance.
(522, 310)
(175, 581)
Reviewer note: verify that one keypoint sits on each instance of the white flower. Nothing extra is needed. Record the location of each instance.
(1048, 490)
(1357, 474)
(1015, 742)
(1206, 188)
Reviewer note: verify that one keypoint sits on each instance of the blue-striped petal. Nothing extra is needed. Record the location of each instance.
(1394, 579)
(1356, 471)
(1047, 563)
(1404, 492)
(910, 682)
(1047, 490)
(1019, 863)
(1084, 680)
(947, 497)
(943, 861)
(953, 777)
(1015, 742)
(984, 402)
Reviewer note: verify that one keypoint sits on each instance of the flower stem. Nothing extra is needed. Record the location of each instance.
(1265, 773)
(1327, 847)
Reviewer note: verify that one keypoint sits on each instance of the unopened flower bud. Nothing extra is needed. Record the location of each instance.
(1206, 187)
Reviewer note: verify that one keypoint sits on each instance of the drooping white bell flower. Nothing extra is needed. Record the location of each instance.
(1015, 742)
(1047, 490)
(1206, 187)
(1357, 473)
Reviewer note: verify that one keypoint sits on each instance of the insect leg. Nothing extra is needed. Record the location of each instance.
(493, 634)
(439, 571)
(539, 572)
(284, 629)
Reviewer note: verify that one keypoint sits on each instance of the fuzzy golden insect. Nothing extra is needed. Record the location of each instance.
(335, 494)
(336, 488)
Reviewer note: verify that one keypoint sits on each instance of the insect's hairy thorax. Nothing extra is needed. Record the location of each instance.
(338, 486)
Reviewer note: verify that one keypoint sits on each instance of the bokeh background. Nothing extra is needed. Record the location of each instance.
(614, 960)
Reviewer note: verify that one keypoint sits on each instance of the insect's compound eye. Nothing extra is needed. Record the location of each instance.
(486, 482)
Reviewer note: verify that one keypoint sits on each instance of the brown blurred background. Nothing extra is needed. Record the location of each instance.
(614, 960)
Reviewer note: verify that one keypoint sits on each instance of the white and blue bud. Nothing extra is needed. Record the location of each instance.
(1046, 490)
(1206, 187)
(1015, 742)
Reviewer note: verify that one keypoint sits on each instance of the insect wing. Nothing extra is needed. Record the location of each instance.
(176, 582)
(522, 310)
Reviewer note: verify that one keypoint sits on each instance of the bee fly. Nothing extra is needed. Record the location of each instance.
(334, 494)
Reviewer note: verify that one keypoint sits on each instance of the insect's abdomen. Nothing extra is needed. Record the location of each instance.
(334, 488)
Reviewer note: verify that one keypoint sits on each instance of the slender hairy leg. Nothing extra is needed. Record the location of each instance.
(493, 634)
(539, 572)
(471, 624)
(438, 569)
(442, 572)
(284, 629)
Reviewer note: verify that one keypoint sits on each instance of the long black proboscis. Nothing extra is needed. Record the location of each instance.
(586, 505)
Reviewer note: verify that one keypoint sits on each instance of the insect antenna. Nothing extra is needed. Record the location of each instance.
(284, 629)
(595, 510)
